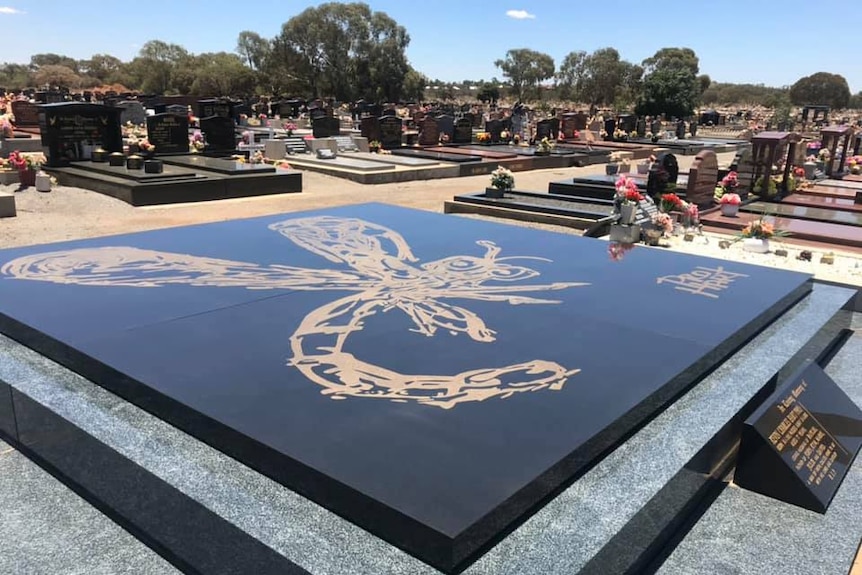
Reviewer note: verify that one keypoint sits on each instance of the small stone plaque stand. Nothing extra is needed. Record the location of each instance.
(625, 234)
(798, 446)
(7, 205)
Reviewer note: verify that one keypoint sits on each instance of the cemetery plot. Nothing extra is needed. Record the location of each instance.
(782, 209)
(247, 334)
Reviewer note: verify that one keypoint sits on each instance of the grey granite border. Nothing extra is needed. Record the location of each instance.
(561, 538)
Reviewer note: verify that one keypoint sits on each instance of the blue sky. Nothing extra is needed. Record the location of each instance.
(758, 41)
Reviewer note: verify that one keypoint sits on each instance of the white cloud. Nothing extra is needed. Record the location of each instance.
(9, 10)
(519, 14)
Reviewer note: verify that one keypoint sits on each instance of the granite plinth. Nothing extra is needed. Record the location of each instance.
(811, 213)
(415, 469)
(832, 192)
(473, 151)
(222, 166)
(825, 232)
(569, 535)
(168, 172)
(350, 163)
(438, 156)
(392, 159)
(774, 530)
(7, 205)
(810, 200)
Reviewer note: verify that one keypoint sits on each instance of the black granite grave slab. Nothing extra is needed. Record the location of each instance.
(265, 338)
(168, 172)
(439, 156)
(805, 213)
(219, 165)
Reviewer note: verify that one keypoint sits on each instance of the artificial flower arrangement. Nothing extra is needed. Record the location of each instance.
(576, 135)
(771, 186)
(282, 164)
(504, 136)
(854, 164)
(197, 142)
(619, 134)
(545, 145)
(289, 127)
(761, 229)
(671, 203)
(146, 146)
(374, 146)
(824, 155)
(444, 138)
(561, 137)
(633, 134)
(502, 179)
(731, 199)
(663, 222)
(727, 184)
(691, 214)
(6, 128)
(627, 192)
(483, 137)
(26, 161)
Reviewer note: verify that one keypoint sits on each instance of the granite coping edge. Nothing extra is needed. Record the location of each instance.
(773, 528)
(559, 538)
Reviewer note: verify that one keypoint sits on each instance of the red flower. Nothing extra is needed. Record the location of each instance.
(633, 196)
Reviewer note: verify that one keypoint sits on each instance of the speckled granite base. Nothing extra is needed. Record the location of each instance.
(744, 532)
(46, 529)
(563, 537)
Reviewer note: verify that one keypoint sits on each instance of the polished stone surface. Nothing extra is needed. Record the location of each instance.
(805, 213)
(839, 234)
(474, 151)
(168, 173)
(219, 165)
(803, 199)
(204, 339)
(46, 529)
(438, 156)
(560, 538)
(393, 159)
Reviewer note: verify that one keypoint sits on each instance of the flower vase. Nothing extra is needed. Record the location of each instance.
(729, 210)
(43, 182)
(755, 245)
(653, 236)
(27, 177)
(628, 213)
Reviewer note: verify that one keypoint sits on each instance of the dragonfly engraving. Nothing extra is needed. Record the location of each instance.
(380, 273)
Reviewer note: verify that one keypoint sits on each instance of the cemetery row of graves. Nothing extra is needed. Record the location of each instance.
(211, 149)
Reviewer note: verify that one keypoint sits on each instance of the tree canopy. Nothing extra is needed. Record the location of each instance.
(821, 88)
(526, 69)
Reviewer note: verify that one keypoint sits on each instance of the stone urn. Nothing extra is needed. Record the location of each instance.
(43, 182)
(809, 168)
(755, 245)
(729, 210)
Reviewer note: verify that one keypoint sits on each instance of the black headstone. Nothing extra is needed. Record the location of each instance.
(207, 108)
(463, 131)
(627, 122)
(177, 110)
(325, 127)
(663, 172)
(68, 127)
(369, 127)
(168, 133)
(132, 111)
(640, 128)
(446, 125)
(390, 132)
(544, 129)
(569, 124)
(495, 128)
(655, 128)
(609, 127)
(219, 133)
(798, 446)
(680, 129)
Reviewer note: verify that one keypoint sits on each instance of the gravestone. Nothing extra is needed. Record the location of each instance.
(70, 129)
(640, 128)
(581, 121)
(555, 127)
(858, 199)
(798, 445)
(214, 107)
(219, 133)
(26, 114)
(390, 132)
(569, 124)
(609, 126)
(446, 125)
(169, 133)
(463, 133)
(177, 110)
(647, 208)
(470, 117)
(743, 164)
(692, 128)
(544, 129)
(495, 128)
(429, 132)
(655, 127)
(702, 179)
(680, 129)
(132, 111)
(662, 174)
(325, 127)
(627, 122)
(369, 127)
